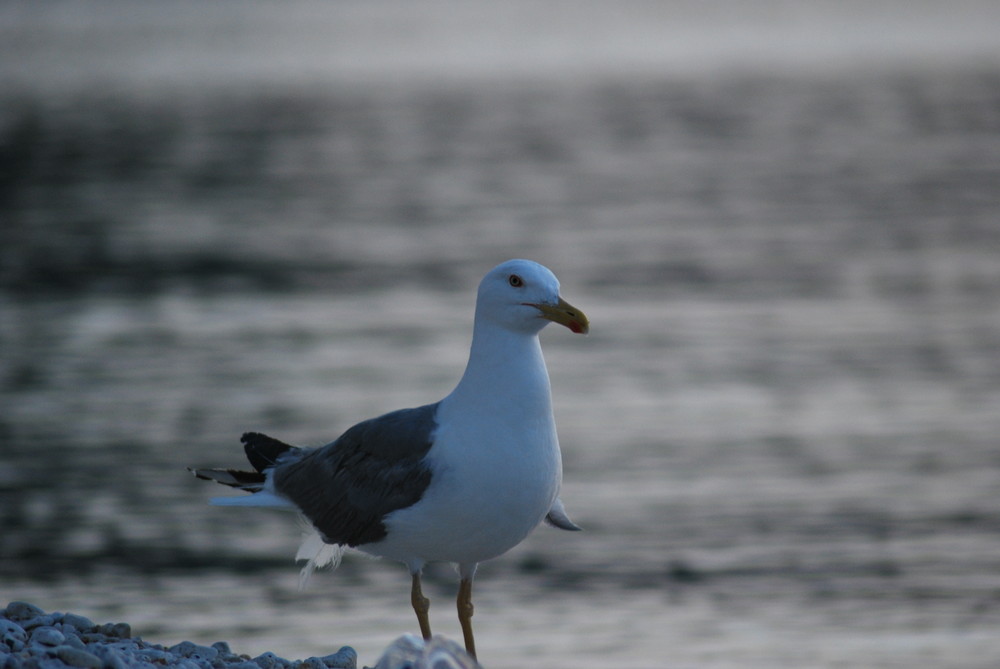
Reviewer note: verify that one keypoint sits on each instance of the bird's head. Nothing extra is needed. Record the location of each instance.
(523, 296)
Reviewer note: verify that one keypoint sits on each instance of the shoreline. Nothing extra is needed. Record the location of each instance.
(30, 638)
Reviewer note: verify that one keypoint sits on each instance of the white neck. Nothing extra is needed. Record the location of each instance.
(506, 374)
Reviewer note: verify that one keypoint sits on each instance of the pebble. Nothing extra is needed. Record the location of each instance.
(194, 651)
(30, 638)
(110, 657)
(438, 653)
(47, 636)
(120, 630)
(312, 663)
(345, 658)
(75, 657)
(79, 623)
(12, 636)
(269, 660)
(222, 647)
(17, 611)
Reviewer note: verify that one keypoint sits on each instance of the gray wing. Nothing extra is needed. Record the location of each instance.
(348, 486)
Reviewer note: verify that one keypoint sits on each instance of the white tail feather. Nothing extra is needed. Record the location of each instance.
(262, 498)
(318, 553)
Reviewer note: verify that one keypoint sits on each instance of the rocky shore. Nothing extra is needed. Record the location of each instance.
(30, 638)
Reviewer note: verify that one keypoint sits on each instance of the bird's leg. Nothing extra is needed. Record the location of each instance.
(465, 614)
(421, 605)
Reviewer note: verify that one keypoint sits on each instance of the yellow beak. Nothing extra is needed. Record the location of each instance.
(566, 314)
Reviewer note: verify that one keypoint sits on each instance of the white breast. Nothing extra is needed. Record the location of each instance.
(495, 461)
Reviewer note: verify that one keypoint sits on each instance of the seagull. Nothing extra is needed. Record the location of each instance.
(462, 480)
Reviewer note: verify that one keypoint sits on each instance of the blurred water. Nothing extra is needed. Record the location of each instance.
(780, 436)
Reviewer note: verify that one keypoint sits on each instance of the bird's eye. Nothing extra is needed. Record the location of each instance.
(515, 280)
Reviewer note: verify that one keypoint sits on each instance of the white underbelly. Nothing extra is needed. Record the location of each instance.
(480, 505)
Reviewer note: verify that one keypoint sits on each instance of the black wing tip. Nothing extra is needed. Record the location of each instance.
(260, 438)
(263, 451)
(234, 478)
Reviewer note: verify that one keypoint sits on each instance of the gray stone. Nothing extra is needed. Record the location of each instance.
(22, 611)
(45, 663)
(75, 657)
(410, 652)
(153, 655)
(73, 640)
(188, 663)
(119, 630)
(269, 660)
(12, 635)
(48, 636)
(44, 620)
(80, 623)
(110, 657)
(312, 663)
(345, 658)
(194, 651)
(222, 647)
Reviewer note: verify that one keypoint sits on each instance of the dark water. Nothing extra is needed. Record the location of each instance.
(781, 435)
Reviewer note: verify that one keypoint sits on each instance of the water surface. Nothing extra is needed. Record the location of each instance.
(780, 435)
